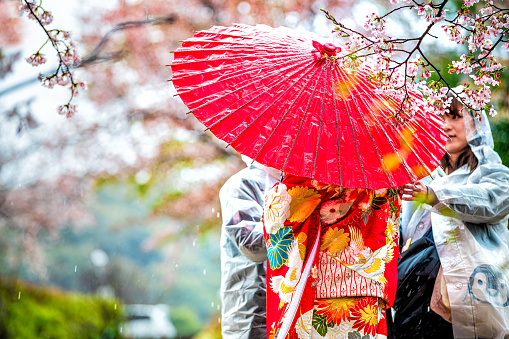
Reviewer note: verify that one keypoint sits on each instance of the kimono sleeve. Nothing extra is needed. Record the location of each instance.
(484, 201)
(241, 206)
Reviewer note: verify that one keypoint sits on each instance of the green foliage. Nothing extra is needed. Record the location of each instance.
(30, 311)
(199, 278)
(320, 323)
(211, 331)
(500, 130)
(186, 321)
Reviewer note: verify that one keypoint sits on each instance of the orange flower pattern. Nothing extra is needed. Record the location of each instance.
(347, 317)
(366, 316)
(335, 310)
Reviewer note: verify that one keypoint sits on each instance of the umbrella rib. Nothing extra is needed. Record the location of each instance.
(371, 137)
(226, 67)
(255, 47)
(423, 146)
(321, 122)
(417, 156)
(413, 123)
(354, 139)
(284, 115)
(422, 129)
(429, 136)
(278, 64)
(280, 70)
(195, 61)
(390, 142)
(337, 131)
(265, 91)
(372, 140)
(204, 38)
(301, 122)
(242, 35)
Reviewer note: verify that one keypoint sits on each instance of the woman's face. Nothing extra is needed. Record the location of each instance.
(454, 127)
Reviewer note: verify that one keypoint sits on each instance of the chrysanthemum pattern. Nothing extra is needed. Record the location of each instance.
(276, 208)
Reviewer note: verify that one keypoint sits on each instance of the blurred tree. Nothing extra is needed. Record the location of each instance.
(135, 135)
(172, 162)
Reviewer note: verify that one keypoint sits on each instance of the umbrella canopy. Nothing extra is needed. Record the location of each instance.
(285, 99)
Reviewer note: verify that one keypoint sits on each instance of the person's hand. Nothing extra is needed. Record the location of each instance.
(414, 192)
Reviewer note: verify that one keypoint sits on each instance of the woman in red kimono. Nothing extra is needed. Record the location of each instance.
(332, 256)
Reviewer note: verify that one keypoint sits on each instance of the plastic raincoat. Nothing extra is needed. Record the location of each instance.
(470, 230)
(243, 252)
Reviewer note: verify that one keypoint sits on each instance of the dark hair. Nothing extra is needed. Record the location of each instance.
(467, 156)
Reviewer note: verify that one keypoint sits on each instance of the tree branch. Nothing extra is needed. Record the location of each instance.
(94, 55)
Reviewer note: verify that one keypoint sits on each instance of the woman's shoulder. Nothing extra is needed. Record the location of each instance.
(491, 162)
(488, 156)
(490, 171)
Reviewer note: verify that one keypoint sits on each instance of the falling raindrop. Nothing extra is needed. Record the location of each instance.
(219, 320)
(218, 307)
(120, 329)
(212, 304)
(19, 295)
(194, 243)
(218, 215)
(75, 269)
(205, 272)
(176, 265)
(115, 306)
(213, 209)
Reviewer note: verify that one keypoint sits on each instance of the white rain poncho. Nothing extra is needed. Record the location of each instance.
(470, 229)
(243, 252)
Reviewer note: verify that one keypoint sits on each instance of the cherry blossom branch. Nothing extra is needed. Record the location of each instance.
(399, 78)
(66, 53)
(68, 58)
(395, 10)
(94, 55)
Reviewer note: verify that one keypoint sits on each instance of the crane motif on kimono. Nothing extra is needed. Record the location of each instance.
(367, 263)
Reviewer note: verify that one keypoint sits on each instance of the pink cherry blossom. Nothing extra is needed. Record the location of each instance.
(36, 59)
(68, 110)
(67, 54)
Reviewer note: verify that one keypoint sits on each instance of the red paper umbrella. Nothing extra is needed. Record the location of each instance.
(287, 101)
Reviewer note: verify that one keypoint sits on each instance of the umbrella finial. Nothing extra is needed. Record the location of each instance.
(328, 48)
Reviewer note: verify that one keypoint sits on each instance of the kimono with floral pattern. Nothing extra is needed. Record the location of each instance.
(332, 256)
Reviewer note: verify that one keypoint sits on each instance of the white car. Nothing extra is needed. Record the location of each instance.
(148, 322)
